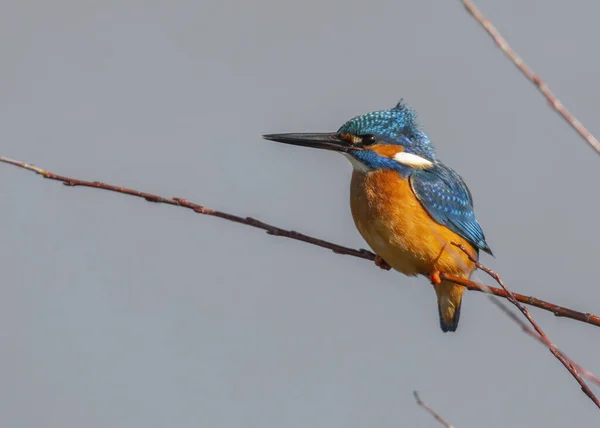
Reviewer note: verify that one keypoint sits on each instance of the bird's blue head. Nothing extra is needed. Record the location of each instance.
(385, 139)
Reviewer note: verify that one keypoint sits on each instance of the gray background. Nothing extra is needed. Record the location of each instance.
(119, 313)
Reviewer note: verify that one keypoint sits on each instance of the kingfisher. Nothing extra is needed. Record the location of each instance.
(408, 206)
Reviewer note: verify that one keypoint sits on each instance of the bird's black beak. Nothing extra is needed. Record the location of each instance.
(326, 140)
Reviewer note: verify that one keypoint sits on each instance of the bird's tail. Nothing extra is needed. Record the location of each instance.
(449, 297)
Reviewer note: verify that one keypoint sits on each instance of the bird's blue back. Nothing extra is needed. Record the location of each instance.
(447, 199)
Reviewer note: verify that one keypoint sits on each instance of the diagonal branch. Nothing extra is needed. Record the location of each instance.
(591, 376)
(276, 231)
(431, 411)
(504, 292)
(569, 364)
(531, 76)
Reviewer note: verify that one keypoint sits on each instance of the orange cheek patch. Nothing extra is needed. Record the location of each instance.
(387, 150)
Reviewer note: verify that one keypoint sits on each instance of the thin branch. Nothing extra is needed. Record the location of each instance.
(569, 364)
(276, 231)
(516, 299)
(529, 74)
(431, 411)
(557, 310)
(591, 376)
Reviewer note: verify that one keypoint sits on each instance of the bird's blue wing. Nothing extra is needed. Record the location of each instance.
(447, 199)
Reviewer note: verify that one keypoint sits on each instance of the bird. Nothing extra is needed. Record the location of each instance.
(408, 206)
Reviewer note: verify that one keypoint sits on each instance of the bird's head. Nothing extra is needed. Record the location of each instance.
(385, 139)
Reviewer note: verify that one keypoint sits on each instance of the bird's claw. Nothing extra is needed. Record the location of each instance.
(435, 277)
(382, 263)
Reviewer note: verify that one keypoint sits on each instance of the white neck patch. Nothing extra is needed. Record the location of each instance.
(356, 164)
(412, 160)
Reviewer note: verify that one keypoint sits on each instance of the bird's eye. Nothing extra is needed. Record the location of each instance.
(368, 139)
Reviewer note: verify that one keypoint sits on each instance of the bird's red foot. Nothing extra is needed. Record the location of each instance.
(435, 277)
(382, 263)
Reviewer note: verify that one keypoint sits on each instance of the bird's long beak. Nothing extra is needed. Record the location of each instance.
(325, 140)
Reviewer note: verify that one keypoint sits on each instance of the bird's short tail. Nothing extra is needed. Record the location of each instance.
(449, 297)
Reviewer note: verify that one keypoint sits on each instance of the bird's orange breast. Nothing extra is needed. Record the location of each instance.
(396, 226)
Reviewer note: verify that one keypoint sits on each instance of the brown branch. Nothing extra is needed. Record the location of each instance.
(276, 231)
(431, 411)
(557, 310)
(362, 253)
(591, 376)
(569, 364)
(553, 101)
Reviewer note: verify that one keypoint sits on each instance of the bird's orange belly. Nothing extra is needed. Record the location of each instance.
(396, 226)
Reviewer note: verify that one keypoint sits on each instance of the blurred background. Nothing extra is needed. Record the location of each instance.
(120, 313)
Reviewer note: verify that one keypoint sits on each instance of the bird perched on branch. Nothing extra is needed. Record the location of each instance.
(406, 204)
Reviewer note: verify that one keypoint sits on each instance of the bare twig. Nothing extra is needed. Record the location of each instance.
(431, 411)
(529, 74)
(569, 365)
(591, 376)
(276, 231)
(557, 310)
(362, 253)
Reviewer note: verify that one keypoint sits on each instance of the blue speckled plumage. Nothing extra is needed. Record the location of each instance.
(447, 199)
(396, 126)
